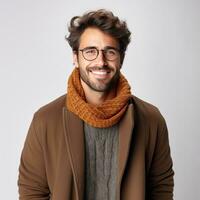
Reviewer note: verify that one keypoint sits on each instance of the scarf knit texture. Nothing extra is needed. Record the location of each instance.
(103, 115)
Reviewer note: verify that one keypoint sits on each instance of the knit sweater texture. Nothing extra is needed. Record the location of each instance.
(101, 162)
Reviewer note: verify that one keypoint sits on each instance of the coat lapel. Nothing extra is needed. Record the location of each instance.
(125, 133)
(74, 137)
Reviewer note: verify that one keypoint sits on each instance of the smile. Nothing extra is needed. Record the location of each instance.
(100, 74)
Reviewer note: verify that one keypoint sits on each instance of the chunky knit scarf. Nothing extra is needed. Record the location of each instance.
(104, 115)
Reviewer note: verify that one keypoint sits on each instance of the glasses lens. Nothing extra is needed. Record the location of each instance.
(111, 54)
(90, 53)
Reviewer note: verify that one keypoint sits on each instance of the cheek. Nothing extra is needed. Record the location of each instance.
(117, 64)
(83, 64)
(80, 61)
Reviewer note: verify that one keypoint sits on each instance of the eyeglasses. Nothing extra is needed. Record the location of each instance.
(91, 53)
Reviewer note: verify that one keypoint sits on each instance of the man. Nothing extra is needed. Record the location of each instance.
(98, 141)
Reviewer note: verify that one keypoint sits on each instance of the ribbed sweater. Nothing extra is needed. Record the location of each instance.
(101, 162)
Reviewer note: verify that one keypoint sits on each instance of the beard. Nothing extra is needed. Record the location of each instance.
(99, 85)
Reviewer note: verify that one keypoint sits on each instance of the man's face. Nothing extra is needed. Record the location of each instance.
(99, 74)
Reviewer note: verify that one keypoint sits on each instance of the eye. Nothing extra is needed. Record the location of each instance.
(90, 51)
(111, 52)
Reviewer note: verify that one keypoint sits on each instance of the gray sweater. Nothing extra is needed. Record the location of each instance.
(101, 162)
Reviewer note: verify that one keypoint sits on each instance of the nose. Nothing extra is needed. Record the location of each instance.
(101, 59)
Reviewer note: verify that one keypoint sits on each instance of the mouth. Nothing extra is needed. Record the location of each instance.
(100, 73)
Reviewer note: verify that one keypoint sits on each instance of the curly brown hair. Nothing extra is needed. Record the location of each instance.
(104, 20)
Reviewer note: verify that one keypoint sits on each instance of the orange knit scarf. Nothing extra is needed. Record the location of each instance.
(104, 115)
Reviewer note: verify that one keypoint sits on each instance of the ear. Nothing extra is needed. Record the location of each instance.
(75, 59)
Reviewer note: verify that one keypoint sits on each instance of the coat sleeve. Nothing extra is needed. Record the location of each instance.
(161, 172)
(32, 181)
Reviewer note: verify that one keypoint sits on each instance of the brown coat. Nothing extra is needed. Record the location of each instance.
(52, 160)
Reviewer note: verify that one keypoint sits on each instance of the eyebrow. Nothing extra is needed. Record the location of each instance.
(106, 47)
(111, 47)
(90, 47)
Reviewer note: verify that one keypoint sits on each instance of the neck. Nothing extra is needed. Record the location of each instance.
(94, 97)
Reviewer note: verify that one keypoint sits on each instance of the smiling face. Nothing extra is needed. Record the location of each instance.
(99, 74)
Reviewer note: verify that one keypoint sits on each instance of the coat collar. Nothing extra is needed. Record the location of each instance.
(74, 137)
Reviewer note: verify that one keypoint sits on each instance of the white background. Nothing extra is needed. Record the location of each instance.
(162, 65)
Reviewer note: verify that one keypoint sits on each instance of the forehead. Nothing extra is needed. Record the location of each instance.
(95, 37)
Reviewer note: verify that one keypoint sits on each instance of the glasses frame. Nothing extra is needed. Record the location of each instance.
(98, 50)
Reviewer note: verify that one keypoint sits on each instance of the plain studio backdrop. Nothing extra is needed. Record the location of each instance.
(162, 65)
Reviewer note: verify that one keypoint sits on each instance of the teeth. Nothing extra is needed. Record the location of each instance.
(100, 72)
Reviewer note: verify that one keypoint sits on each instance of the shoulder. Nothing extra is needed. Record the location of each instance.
(153, 123)
(52, 110)
(147, 111)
